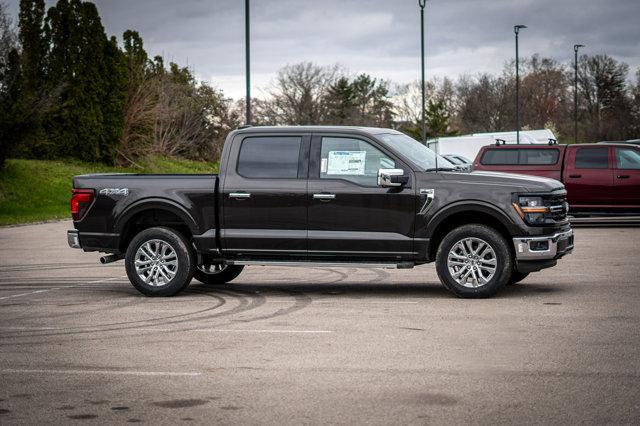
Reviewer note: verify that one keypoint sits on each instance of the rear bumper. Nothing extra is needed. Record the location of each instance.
(73, 238)
(93, 241)
(547, 247)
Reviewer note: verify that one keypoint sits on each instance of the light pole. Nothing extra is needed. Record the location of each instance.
(517, 29)
(575, 91)
(247, 51)
(422, 4)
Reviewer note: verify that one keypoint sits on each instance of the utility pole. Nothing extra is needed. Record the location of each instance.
(517, 29)
(422, 4)
(247, 63)
(575, 91)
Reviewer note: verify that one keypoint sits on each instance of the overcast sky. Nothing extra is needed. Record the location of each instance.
(380, 37)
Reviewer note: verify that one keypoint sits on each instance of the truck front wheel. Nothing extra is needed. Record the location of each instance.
(159, 262)
(217, 274)
(474, 261)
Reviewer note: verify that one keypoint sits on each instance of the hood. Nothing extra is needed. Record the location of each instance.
(524, 183)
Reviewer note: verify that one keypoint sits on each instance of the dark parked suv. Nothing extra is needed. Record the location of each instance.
(300, 196)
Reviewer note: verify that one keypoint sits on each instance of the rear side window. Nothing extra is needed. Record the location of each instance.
(538, 157)
(269, 157)
(521, 157)
(592, 158)
(628, 158)
(500, 157)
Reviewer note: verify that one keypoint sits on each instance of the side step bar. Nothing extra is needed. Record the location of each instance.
(400, 265)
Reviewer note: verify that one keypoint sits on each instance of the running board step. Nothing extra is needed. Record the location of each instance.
(400, 265)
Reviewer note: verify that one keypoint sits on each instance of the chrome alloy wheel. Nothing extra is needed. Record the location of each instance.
(156, 262)
(472, 262)
(212, 269)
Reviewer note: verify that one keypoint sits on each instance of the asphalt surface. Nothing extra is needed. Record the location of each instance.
(317, 345)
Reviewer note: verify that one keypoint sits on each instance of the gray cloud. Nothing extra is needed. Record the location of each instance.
(380, 37)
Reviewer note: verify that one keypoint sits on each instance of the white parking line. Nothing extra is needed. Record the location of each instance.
(114, 372)
(27, 294)
(221, 330)
(60, 287)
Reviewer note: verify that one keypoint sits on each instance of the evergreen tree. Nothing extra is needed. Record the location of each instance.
(28, 107)
(88, 74)
(340, 102)
(438, 119)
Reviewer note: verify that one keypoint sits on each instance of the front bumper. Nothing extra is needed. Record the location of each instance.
(545, 247)
(73, 238)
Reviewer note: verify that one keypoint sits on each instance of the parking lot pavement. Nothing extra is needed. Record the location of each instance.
(317, 345)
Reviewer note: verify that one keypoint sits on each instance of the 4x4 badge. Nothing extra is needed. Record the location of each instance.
(115, 191)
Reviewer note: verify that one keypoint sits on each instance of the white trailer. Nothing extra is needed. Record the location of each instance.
(469, 145)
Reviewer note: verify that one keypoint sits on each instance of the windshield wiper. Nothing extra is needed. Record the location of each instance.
(440, 169)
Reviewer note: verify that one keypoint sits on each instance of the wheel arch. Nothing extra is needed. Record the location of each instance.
(154, 212)
(463, 213)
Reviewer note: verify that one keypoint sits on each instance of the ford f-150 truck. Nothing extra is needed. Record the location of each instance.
(300, 196)
(599, 178)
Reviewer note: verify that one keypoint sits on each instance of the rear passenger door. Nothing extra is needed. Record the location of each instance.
(264, 196)
(627, 177)
(588, 177)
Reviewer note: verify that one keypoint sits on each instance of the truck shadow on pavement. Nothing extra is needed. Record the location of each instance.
(364, 290)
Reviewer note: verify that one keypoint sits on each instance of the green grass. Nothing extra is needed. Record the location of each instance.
(37, 190)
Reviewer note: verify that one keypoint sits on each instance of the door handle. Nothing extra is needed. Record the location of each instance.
(240, 195)
(324, 197)
(575, 176)
(623, 176)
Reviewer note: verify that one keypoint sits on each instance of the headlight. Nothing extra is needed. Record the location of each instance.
(531, 209)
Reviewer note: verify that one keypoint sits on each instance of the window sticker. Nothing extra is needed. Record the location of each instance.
(323, 165)
(346, 162)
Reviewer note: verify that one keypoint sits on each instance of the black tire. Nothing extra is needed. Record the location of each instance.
(228, 273)
(516, 277)
(183, 254)
(503, 260)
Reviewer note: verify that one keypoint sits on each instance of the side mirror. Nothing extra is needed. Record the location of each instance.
(389, 178)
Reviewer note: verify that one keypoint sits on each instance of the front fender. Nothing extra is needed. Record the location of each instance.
(471, 206)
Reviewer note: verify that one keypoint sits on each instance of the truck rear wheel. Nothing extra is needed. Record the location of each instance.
(217, 274)
(159, 262)
(474, 261)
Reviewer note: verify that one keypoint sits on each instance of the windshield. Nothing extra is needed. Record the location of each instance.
(415, 151)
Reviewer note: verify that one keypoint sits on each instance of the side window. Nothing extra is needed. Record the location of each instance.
(352, 159)
(269, 157)
(538, 157)
(500, 157)
(592, 158)
(628, 158)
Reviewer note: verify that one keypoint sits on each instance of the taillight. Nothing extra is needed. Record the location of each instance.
(81, 200)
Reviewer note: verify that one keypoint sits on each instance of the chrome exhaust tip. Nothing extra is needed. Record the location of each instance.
(111, 258)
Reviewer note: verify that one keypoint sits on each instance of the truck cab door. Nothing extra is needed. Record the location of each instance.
(588, 177)
(627, 177)
(350, 216)
(264, 197)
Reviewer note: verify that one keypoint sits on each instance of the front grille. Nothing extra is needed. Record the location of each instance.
(558, 206)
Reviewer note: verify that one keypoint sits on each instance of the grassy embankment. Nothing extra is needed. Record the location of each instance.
(35, 190)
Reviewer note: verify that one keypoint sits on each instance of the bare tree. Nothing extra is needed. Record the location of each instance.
(298, 95)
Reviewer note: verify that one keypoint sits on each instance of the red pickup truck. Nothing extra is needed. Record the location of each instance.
(598, 178)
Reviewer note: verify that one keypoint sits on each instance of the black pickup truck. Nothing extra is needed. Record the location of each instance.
(300, 196)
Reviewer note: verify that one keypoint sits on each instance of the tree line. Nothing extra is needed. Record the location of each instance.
(67, 90)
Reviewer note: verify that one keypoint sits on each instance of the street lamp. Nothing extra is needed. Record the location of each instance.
(247, 63)
(422, 4)
(575, 91)
(517, 29)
